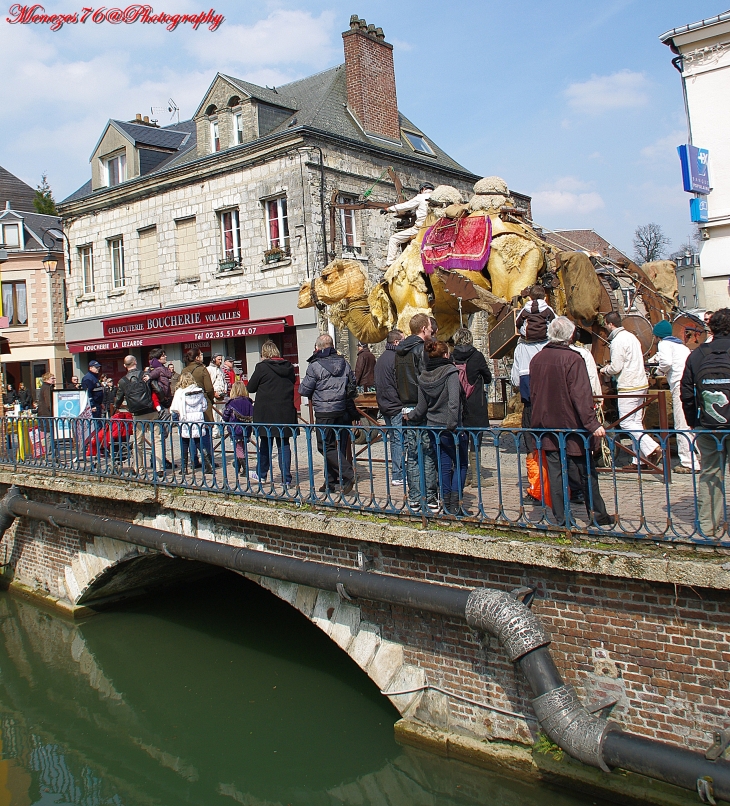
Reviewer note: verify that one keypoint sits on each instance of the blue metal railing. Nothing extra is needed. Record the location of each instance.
(477, 476)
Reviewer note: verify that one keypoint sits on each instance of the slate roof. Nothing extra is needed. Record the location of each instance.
(588, 240)
(142, 135)
(15, 191)
(266, 94)
(317, 102)
(35, 226)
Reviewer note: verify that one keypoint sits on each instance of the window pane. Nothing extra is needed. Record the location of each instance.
(21, 303)
(8, 307)
(418, 142)
(116, 248)
(11, 235)
(273, 216)
(239, 129)
(87, 268)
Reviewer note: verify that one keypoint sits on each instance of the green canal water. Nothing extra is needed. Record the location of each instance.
(213, 693)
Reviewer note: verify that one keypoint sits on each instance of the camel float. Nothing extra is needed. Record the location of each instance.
(481, 256)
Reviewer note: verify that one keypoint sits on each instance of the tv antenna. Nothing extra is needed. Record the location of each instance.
(171, 107)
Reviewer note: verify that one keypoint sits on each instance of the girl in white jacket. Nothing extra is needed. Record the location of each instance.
(190, 404)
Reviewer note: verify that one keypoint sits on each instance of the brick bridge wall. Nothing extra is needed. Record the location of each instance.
(661, 648)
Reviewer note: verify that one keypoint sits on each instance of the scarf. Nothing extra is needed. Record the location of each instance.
(433, 363)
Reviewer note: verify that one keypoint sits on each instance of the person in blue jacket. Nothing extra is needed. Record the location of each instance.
(91, 384)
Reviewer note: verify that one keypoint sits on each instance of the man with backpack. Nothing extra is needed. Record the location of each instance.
(705, 394)
(135, 390)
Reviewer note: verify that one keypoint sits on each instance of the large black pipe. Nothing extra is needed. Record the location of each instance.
(443, 599)
(565, 720)
(666, 762)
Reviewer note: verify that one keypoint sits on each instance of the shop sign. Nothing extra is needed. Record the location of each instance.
(698, 211)
(154, 323)
(695, 168)
(238, 332)
(203, 346)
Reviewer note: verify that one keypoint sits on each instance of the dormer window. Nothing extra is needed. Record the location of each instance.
(238, 127)
(418, 143)
(10, 236)
(215, 137)
(115, 168)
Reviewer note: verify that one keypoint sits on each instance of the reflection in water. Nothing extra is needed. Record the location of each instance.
(216, 693)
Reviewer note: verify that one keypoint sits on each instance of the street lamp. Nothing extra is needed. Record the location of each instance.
(49, 262)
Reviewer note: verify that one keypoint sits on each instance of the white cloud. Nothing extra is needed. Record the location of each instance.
(567, 195)
(622, 90)
(84, 75)
(665, 148)
(284, 37)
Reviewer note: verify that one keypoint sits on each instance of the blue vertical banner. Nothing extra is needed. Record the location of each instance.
(695, 168)
(698, 212)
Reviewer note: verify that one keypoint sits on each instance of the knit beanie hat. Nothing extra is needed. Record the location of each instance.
(662, 329)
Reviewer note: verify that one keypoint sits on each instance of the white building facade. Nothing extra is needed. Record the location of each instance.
(703, 58)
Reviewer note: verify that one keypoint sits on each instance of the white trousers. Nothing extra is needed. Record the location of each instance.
(685, 444)
(396, 239)
(634, 424)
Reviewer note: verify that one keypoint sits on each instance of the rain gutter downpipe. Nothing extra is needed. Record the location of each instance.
(589, 738)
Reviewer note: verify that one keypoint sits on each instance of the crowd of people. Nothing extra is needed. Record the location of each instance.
(432, 395)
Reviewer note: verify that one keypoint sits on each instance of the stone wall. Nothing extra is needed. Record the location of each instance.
(660, 649)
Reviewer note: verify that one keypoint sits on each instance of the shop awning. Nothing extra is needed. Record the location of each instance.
(255, 328)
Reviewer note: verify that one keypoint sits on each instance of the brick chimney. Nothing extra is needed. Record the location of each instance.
(371, 79)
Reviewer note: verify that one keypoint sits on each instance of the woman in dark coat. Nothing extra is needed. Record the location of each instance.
(476, 408)
(273, 384)
(476, 411)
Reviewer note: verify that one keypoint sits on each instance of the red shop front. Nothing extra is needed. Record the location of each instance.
(197, 325)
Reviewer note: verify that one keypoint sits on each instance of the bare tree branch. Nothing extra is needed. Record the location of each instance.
(650, 243)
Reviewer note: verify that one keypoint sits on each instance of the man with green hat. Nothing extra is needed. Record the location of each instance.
(670, 358)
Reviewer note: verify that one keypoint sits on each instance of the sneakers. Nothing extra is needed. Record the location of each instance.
(434, 507)
(254, 476)
(348, 487)
(396, 482)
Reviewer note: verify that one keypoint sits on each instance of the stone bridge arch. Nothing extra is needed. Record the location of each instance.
(108, 569)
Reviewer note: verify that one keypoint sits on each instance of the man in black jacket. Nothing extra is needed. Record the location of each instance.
(410, 362)
(386, 394)
(326, 384)
(135, 390)
(705, 395)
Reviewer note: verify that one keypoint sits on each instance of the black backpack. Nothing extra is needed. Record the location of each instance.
(712, 380)
(137, 393)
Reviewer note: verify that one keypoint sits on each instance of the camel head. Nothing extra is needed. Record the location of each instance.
(340, 279)
(490, 194)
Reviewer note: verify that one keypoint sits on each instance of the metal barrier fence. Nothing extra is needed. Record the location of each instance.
(490, 477)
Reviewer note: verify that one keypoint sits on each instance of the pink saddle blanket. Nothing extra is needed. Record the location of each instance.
(461, 243)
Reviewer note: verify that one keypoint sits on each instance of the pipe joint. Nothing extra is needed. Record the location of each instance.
(7, 517)
(565, 720)
(502, 615)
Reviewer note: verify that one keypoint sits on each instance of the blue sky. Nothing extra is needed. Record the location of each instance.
(574, 103)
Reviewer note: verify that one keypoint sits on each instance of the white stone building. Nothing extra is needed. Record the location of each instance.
(202, 232)
(703, 58)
